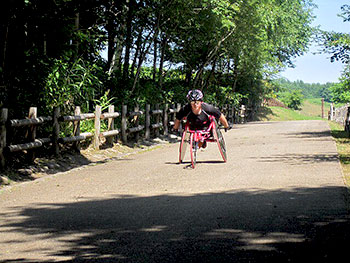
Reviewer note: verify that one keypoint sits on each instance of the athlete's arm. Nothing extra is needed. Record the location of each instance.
(176, 124)
(216, 113)
(223, 121)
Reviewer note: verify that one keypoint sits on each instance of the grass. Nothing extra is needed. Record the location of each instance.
(342, 141)
(313, 108)
(282, 114)
(310, 110)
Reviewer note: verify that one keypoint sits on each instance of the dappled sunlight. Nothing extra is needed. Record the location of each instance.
(226, 226)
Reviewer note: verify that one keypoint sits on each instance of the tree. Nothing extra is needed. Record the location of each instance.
(338, 45)
(156, 49)
(292, 99)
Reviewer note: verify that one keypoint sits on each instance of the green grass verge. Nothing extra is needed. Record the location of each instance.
(342, 141)
(282, 114)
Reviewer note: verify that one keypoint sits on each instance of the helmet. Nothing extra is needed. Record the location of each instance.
(194, 94)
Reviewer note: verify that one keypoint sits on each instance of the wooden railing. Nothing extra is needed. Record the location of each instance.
(339, 115)
(156, 119)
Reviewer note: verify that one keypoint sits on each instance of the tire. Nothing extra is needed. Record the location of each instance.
(219, 138)
(183, 145)
(193, 150)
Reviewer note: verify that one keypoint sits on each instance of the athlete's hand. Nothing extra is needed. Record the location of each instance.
(175, 131)
(229, 127)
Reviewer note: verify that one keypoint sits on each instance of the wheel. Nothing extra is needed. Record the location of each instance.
(183, 144)
(193, 150)
(219, 138)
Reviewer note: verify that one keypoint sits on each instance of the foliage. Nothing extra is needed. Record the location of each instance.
(155, 50)
(70, 84)
(313, 90)
(338, 45)
(292, 99)
(341, 91)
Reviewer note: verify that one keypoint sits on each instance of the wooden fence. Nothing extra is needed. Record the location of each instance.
(339, 115)
(156, 120)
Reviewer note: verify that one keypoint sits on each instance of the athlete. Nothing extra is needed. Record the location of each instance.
(197, 113)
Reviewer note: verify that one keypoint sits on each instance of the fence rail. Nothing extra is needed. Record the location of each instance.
(339, 115)
(155, 120)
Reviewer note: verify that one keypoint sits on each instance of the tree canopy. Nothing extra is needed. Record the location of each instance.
(338, 46)
(155, 49)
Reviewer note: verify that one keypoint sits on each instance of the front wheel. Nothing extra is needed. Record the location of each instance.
(193, 150)
(183, 144)
(219, 138)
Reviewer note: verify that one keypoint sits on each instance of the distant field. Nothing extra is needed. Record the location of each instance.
(311, 110)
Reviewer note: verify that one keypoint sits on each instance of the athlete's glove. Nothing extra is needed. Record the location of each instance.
(230, 125)
(175, 131)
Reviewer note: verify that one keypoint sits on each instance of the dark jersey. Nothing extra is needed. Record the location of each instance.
(201, 121)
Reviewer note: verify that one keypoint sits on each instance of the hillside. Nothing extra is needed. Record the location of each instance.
(311, 110)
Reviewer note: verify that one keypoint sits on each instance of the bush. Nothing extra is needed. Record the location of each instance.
(292, 99)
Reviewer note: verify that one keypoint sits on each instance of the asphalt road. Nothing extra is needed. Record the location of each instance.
(279, 198)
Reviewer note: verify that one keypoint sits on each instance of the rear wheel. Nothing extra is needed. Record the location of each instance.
(193, 150)
(183, 144)
(219, 138)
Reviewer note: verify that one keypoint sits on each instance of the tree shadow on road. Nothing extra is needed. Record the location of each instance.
(291, 225)
(263, 113)
(301, 159)
(20, 170)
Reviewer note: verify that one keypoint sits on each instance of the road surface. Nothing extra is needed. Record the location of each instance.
(279, 198)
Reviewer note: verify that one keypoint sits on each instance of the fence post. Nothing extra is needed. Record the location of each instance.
(33, 111)
(3, 119)
(232, 115)
(124, 123)
(322, 101)
(157, 121)
(55, 130)
(110, 139)
(178, 107)
(331, 114)
(97, 127)
(76, 128)
(147, 121)
(242, 114)
(137, 122)
(165, 119)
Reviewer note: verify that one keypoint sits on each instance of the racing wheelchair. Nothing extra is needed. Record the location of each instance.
(193, 137)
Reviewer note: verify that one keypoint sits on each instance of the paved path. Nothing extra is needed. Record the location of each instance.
(279, 198)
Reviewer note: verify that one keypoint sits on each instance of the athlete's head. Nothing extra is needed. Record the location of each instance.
(195, 95)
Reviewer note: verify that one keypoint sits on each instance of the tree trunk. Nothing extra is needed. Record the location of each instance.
(161, 63)
(155, 49)
(137, 52)
(76, 27)
(207, 81)
(128, 41)
(111, 31)
(141, 59)
(210, 56)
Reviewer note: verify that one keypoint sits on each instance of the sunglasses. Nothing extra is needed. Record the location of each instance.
(196, 102)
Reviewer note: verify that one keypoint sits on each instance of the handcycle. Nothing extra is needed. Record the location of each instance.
(193, 137)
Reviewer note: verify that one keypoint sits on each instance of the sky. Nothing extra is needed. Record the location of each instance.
(312, 68)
